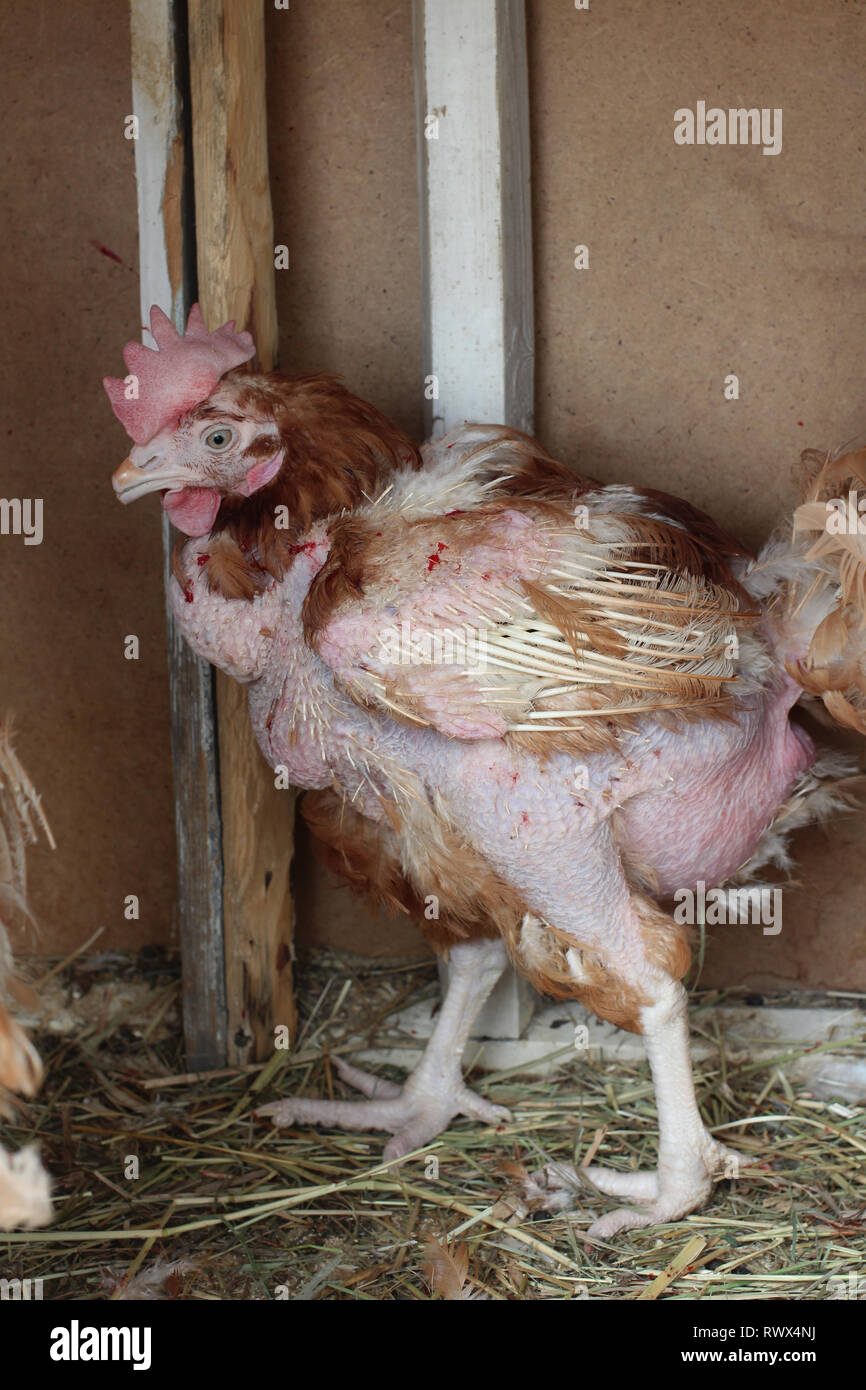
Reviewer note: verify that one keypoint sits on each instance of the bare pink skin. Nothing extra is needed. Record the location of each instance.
(260, 474)
(706, 822)
(693, 803)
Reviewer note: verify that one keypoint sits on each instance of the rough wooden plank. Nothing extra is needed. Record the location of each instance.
(158, 60)
(235, 243)
(476, 232)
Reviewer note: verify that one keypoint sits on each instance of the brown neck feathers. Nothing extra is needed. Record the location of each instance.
(338, 450)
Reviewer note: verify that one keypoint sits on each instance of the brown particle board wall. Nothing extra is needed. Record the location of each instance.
(702, 262)
(92, 727)
(705, 261)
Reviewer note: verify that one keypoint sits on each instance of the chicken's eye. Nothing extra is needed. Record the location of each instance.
(219, 438)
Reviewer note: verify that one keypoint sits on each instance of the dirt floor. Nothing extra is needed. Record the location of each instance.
(167, 1186)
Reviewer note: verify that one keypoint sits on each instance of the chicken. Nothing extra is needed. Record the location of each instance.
(24, 1184)
(526, 707)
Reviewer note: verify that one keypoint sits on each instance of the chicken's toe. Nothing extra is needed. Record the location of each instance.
(673, 1200)
(622, 1219)
(476, 1107)
(670, 1192)
(340, 1114)
(414, 1113)
(641, 1185)
(376, 1087)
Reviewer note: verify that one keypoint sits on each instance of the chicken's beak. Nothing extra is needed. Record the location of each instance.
(131, 482)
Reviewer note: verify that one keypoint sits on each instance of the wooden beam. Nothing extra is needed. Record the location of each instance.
(472, 121)
(472, 103)
(165, 251)
(235, 244)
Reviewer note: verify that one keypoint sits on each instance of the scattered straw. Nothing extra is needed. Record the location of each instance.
(235, 1209)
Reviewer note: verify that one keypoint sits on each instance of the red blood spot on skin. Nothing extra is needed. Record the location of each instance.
(202, 559)
(188, 595)
(799, 422)
(434, 558)
(515, 778)
(458, 511)
(524, 819)
(306, 549)
(486, 574)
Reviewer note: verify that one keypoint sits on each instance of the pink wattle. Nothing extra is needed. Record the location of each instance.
(192, 509)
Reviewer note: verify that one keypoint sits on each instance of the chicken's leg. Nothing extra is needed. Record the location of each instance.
(624, 963)
(689, 1157)
(434, 1092)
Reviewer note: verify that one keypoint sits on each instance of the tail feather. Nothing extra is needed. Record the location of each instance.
(813, 583)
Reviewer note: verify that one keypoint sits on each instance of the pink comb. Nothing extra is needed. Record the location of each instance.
(180, 373)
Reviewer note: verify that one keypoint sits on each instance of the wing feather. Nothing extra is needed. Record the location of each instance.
(504, 617)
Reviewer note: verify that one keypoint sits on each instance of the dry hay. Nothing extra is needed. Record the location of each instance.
(225, 1207)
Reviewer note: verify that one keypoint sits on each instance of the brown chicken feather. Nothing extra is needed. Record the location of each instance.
(336, 450)
(834, 570)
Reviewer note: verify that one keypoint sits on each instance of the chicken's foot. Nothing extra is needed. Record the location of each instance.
(434, 1092)
(690, 1159)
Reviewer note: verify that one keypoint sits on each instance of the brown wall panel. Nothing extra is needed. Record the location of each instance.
(341, 119)
(93, 727)
(703, 261)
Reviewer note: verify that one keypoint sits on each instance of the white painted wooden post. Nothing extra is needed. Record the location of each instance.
(472, 103)
(472, 113)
